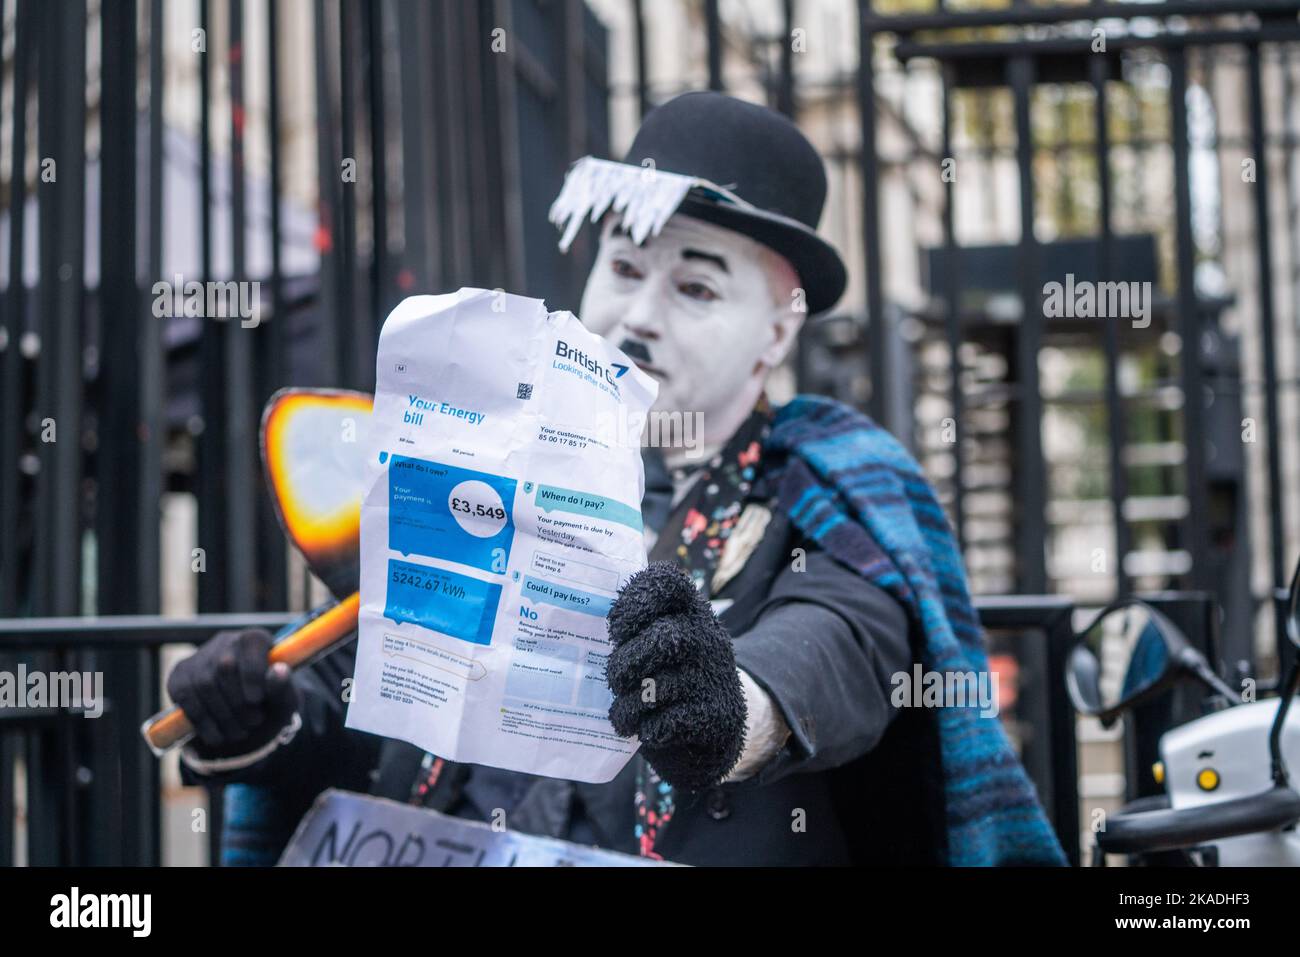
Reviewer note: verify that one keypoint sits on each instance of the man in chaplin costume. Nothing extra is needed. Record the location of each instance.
(799, 562)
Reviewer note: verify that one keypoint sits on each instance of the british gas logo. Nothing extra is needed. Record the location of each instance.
(590, 364)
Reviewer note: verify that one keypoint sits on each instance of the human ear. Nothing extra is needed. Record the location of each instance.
(785, 324)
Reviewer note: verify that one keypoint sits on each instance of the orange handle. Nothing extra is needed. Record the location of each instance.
(166, 729)
(318, 635)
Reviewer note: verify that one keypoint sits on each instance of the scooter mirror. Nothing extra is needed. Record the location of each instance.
(1293, 609)
(1290, 684)
(1129, 651)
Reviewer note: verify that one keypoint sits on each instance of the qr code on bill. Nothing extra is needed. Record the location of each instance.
(525, 391)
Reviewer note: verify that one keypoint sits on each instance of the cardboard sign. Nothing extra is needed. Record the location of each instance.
(344, 829)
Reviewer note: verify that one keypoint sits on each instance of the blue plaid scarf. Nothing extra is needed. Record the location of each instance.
(853, 489)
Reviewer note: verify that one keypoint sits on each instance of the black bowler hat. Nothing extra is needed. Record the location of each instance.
(727, 162)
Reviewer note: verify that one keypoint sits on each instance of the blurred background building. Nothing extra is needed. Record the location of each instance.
(344, 154)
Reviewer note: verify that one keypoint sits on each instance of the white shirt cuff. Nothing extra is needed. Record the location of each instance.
(206, 766)
(765, 730)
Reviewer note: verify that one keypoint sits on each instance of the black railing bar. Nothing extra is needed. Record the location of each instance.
(1008, 611)
(641, 85)
(273, 368)
(380, 269)
(209, 480)
(713, 31)
(1110, 334)
(1191, 362)
(355, 341)
(122, 631)
(118, 458)
(952, 312)
(1028, 15)
(507, 144)
(10, 746)
(869, 171)
(9, 434)
(907, 50)
(841, 80)
(125, 631)
(328, 175)
(1274, 427)
(150, 403)
(480, 170)
(453, 178)
(11, 718)
(11, 361)
(1078, 145)
(61, 135)
(238, 552)
(1021, 74)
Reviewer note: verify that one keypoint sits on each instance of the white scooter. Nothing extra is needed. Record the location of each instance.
(1229, 799)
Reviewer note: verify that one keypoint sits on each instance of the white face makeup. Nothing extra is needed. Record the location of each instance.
(695, 307)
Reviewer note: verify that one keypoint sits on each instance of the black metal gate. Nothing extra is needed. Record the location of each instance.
(1105, 116)
(442, 129)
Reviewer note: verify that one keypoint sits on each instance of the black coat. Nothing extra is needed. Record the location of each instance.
(858, 781)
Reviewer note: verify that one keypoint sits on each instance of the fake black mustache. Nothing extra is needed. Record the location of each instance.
(636, 350)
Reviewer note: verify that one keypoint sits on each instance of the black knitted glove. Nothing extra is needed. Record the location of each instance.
(234, 700)
(673, 674)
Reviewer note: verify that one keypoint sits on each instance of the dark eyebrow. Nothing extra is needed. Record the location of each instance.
(708, 257)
